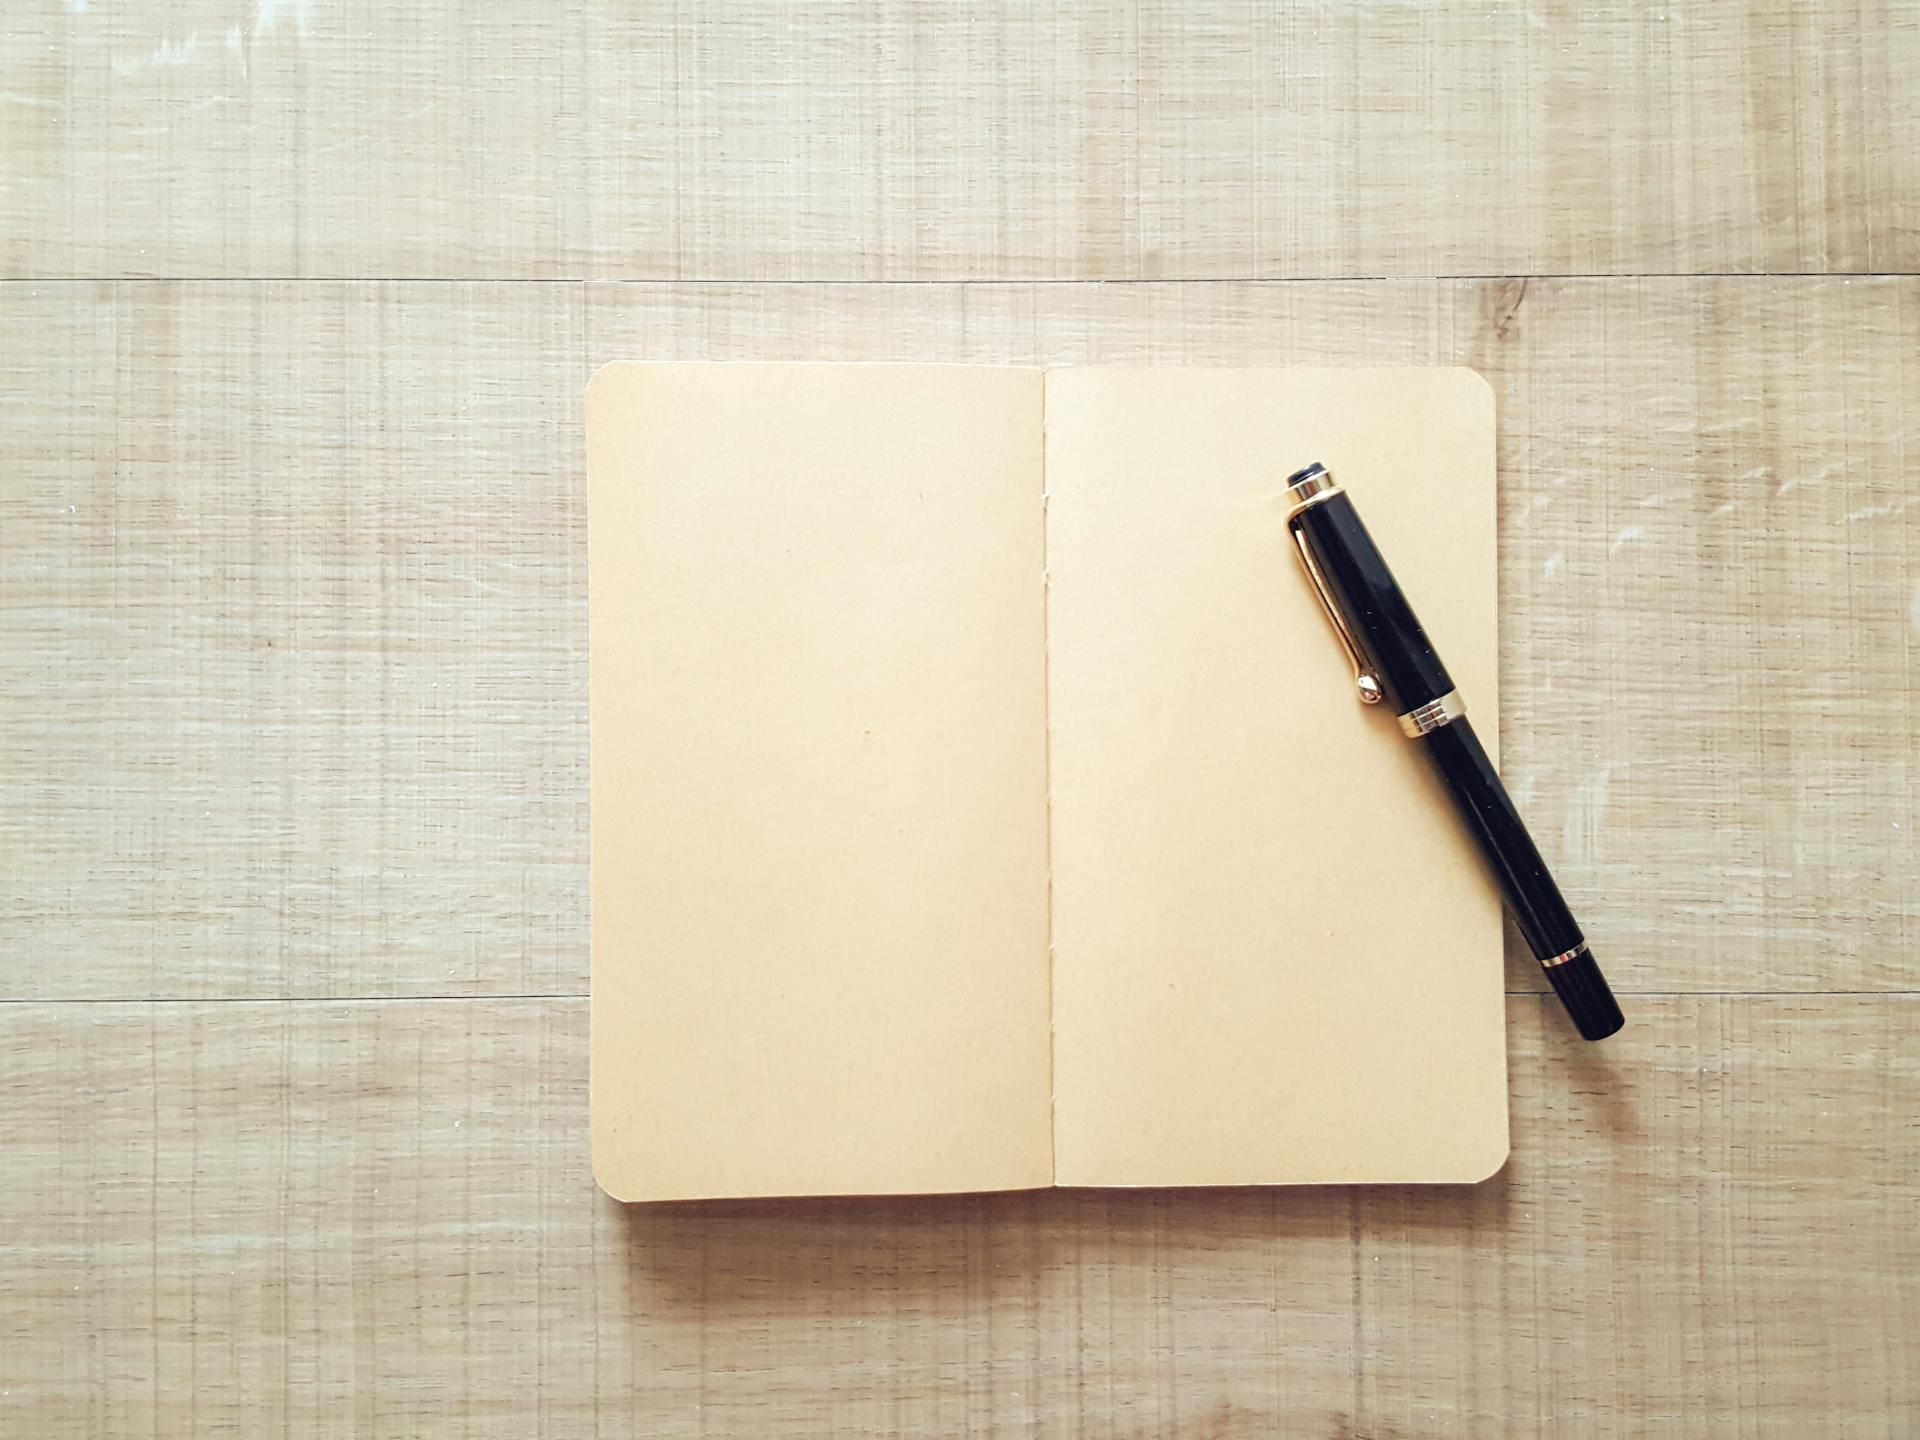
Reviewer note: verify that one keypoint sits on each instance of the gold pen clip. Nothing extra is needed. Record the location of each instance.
(1309, 488)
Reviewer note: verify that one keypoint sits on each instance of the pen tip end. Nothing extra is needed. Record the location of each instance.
(1316, 468)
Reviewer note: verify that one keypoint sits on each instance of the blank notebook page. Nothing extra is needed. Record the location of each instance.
(819, 780)
(1276, 957)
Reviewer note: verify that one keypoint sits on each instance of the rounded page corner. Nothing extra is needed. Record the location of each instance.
(1485, 1167)
(1472, 382)
(614, 1186)
(605, 378)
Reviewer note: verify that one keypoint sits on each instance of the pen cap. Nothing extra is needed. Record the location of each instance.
(1584, 991)
(1369, 608)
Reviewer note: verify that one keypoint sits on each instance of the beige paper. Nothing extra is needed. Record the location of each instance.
(1276, 958)
(819, 790)
(832, 706)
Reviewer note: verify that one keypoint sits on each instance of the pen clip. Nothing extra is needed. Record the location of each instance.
(1364, 680)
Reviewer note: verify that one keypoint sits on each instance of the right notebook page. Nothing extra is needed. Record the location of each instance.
(1276, 959)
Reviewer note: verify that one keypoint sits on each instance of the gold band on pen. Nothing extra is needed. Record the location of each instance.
(1427, 718)
(1311, 490)
(1564, 956)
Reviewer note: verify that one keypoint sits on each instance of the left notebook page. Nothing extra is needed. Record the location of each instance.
(818, 680)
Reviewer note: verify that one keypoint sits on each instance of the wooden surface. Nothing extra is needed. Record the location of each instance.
(938, 139)
(296, 307)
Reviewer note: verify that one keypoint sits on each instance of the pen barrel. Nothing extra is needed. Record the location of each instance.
(1396, 648)
(1538, 909)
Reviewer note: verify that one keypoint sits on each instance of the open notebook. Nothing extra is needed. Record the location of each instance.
(980, 801)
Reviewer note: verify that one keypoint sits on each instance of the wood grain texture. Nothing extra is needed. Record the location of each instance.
(293, 605)
(894, 140)
(377, 1218)
(294, 618)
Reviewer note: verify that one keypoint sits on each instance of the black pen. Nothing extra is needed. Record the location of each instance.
(1394, 661)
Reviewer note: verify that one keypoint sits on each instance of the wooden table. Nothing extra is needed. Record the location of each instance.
(299, 302)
